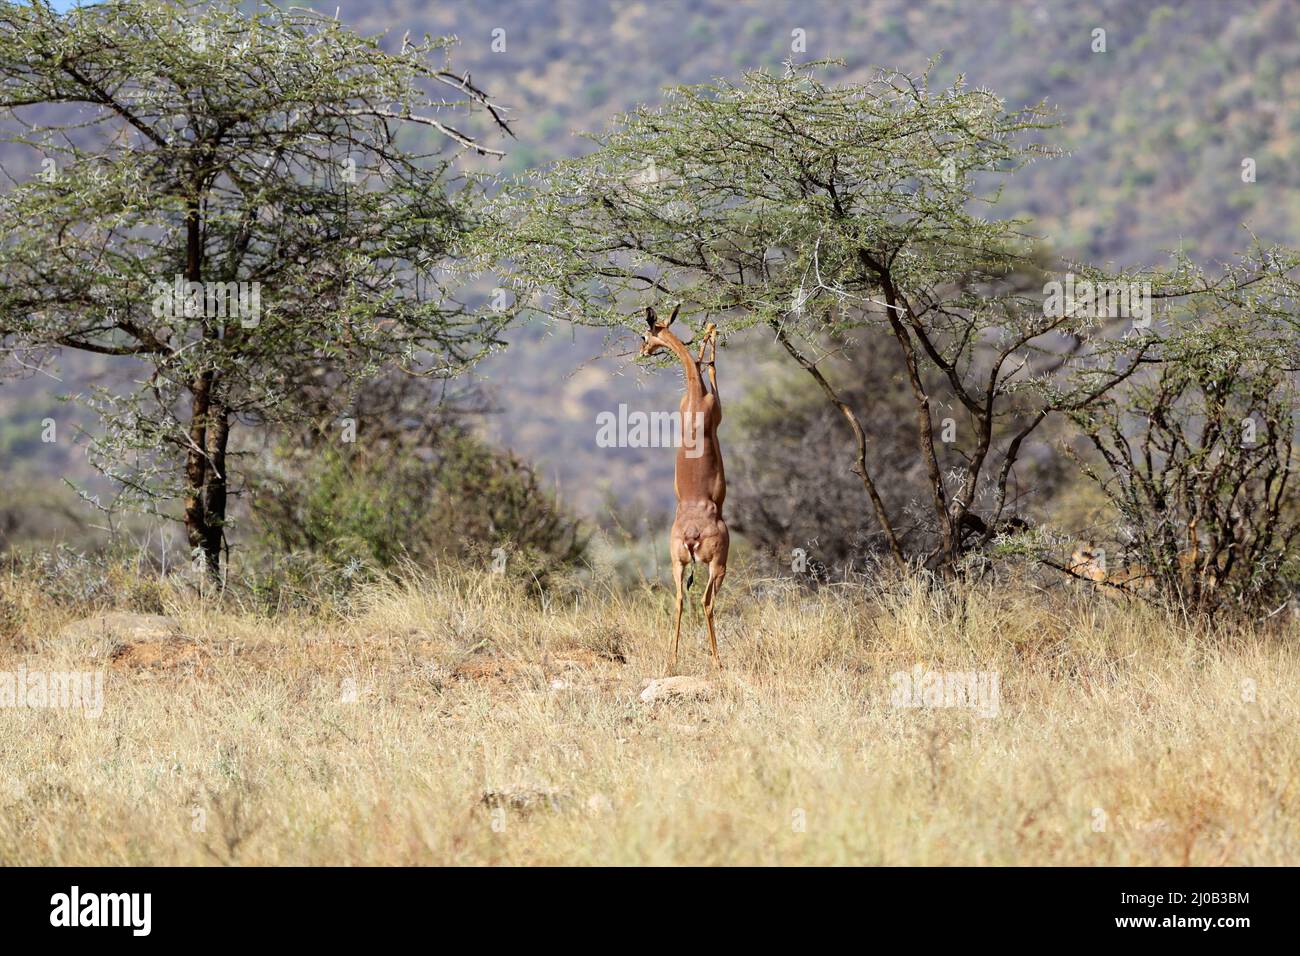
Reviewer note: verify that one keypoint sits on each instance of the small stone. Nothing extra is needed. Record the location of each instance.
(676, 688)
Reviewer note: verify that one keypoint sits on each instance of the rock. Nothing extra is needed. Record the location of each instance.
(122, 626)
(676, 688)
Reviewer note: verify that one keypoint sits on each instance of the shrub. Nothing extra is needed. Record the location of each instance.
(414, 486)
(1199, 461)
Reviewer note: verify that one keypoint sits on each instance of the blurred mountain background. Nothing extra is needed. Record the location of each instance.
(1156, 130)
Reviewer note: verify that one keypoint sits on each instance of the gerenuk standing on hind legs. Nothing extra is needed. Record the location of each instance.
(699, 534)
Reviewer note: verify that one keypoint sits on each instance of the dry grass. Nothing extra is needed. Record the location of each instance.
(488, 730)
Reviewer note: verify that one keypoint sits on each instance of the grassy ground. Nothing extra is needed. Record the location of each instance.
(457, 722)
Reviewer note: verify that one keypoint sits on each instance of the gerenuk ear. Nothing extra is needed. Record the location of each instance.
(673, 318)
(650, 318)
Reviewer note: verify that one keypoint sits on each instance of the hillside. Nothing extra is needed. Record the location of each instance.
(1156, 130)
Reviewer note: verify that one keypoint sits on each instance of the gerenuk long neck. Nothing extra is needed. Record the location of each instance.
(694, 384)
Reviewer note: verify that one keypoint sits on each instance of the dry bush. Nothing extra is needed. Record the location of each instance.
(1199, 462)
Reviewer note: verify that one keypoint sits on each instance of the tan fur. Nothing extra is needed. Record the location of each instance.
(699, 532)
(1089, 562)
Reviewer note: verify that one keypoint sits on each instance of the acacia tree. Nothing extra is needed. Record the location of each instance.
(241, 203)
(817, 210)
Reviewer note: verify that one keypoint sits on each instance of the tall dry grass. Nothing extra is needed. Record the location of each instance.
(454, 720)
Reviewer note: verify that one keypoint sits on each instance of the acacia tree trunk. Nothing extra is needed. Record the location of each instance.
(859, 466)
(205, 459)
(215, 488)
(205, 475)
(949, 541)
(196, 466)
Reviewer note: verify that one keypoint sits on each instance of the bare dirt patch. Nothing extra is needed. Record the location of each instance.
(155, 655)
